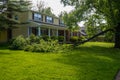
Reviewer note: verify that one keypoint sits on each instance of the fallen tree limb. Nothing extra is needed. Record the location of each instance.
(103, 32)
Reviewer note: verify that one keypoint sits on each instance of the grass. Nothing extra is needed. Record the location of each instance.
(91, 61)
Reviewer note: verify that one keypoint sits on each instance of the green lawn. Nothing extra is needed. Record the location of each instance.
(91, 61)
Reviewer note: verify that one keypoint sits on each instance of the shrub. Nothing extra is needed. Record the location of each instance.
(44, 46)
(60, 38)
(36, 44)
(54, 37)
(11, 41)
(28, 48)
(101, 38)
(45, 37)
(81, 38)
(74, 39)
(19, 43)
(37, 48)
(53, 46)
(33, 39)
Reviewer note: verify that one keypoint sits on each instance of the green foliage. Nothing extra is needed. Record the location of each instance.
(28, 48)
(54, 37)
(48, 11)
(70, 21)
(74, 39)
(13, 8)
(45, 37)
(19, 43)
(97, 12)
(109, 37)
(82, 38)
(46, 46)
(40, 5)
(94, 25)
(11, 41)
(33, 39)
(109, 9)
(60, 38)
(99, 39)
(35, 44)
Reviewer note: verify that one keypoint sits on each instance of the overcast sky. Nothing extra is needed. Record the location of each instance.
(56, 6)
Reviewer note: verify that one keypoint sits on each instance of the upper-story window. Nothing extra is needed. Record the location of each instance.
(49, 19)
(61, 22)
(37, 17)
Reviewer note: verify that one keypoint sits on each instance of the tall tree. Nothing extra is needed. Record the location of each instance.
(40, 5)
(70, 21)
(13, 7)
(110, 9)
(94, 24)
(48, 11)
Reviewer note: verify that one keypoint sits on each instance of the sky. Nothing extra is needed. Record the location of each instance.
(56, 6)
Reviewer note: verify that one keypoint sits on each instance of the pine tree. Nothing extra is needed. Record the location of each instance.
(7, 22)
(13, 6)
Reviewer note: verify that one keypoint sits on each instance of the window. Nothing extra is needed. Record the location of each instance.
(37, 17)
(61, 23)
(49, 19)
(16, 17)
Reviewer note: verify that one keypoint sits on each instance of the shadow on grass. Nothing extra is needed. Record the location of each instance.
(4, 53)
(93, 63)
(4, 46)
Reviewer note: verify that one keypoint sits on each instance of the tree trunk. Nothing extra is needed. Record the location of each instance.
(9, 34)
(117, 36)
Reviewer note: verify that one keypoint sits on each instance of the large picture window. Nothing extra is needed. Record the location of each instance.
(49, 19)
(37, 17)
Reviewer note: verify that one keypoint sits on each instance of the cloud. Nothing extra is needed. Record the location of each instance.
(55, 5)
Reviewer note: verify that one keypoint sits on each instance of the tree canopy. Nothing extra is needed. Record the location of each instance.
(12, 7)
(108, 9)
(40, 7)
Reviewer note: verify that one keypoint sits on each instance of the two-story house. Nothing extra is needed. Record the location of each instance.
(38, 24)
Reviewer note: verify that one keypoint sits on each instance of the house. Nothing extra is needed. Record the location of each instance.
(82, 31)
(38, 24)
